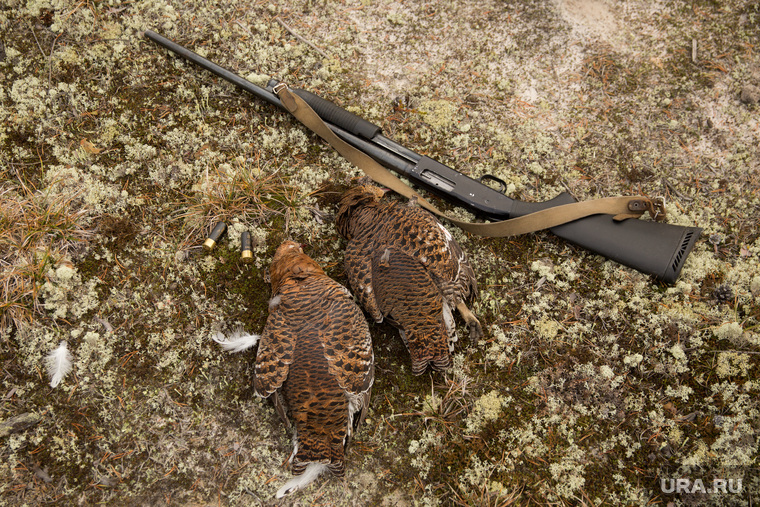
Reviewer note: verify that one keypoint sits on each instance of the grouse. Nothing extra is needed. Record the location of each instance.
(314, 361)
(406, 268)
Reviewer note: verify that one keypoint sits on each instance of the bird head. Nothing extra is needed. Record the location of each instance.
(353, 200)
(289, 262)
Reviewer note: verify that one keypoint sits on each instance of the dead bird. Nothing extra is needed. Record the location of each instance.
(405, 267)
(314, 361)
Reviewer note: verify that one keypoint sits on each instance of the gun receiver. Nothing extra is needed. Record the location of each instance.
(654, 248)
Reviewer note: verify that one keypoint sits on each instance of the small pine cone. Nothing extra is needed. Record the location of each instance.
(723, 294)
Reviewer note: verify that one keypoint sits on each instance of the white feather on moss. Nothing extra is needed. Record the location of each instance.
(58, 364)
(237, 341)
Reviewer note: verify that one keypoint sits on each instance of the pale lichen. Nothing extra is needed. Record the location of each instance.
(603, 378)
(486, 409)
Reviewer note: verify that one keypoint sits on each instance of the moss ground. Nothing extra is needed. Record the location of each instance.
(594, 384)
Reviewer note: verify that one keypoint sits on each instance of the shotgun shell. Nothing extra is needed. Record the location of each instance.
(216, 233)
(246, 251)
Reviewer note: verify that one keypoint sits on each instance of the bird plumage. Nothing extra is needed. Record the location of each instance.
(405, 267)
(314, 360)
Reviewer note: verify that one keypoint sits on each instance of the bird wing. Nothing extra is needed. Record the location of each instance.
(276, 348)
(358, 262)
(428, 241)
(346, 339)
(410, 299)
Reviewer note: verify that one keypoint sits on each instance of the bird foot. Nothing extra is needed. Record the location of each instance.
(476, 330)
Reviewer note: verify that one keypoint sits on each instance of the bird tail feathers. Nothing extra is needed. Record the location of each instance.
(428, 350)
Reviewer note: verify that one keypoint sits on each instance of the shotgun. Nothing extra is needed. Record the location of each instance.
(654, 248)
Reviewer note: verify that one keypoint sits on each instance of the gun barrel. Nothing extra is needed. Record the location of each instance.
(212, 67)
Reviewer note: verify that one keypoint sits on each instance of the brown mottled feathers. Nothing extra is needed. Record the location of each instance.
(315, 356)
(407, 294)
(404, 266)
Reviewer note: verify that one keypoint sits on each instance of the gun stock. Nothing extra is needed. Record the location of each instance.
(654, 248)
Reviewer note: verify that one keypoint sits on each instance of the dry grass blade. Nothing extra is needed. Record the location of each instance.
(484, 497)
(37, 230)
(39, 219)
(243, 190)
(450, 408)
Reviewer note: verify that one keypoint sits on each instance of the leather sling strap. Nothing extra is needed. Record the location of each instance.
(620, 207)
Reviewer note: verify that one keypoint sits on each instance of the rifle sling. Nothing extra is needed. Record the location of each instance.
(620, 207)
